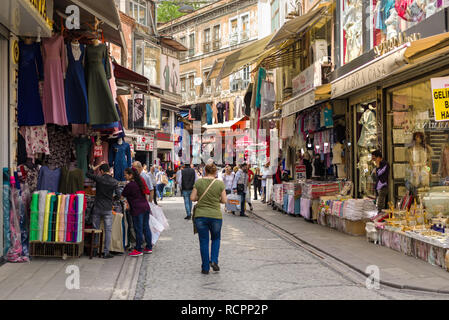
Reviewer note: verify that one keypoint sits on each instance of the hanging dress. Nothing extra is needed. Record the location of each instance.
(75, 85)
(98, 70)
(120, 157)
(29, 106)
(53, 100)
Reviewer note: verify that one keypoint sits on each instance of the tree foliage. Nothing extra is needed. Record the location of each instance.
(169, 10)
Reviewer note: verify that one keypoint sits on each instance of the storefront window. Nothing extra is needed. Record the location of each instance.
(152, 63)
(419, 145)
(165, 121)
(352, 31)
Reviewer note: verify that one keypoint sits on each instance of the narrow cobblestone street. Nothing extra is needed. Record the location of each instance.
(255, 262)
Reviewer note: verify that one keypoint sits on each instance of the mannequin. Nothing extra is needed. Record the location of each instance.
(391, 24)
(352, 25)
(368, 136)
(308, 163)
(120, 158)
(420, 162)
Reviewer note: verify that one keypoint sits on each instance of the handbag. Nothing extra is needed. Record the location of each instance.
(195, 206)
(240, 188)
(164, 179)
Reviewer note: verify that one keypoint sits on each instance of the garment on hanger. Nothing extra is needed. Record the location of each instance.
(71, 181)
(98, 70)
(226, 111)
(120, 159)
(123, 112)
(79, 129)
(268, 97)
(29, 105)
(61, 144)
(215, 113)
(104, 154)
(368, 136)
(36, 140)
(328, 117)
(231, 110)
(75, 85)
(261, 75)
(53, 98)
(220, 109)
(83, 150)
(48, 179)
(246, 109)
(238, 108)
(336, 153)
(209, 114)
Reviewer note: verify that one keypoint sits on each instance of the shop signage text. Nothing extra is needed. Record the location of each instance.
(41, 7)
(370, 73)
(298, 104)
(389, 45)
(308, 79)
(440, 95)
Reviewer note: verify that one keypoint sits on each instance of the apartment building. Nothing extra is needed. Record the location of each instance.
(210, 34)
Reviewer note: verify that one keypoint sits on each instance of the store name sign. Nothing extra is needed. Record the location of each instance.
(440, 95)
(298, 104)
(41, 7)
(391, 44)
(308, 79)
(368, 74)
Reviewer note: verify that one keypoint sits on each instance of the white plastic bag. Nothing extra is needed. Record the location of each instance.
(155, 225)
(158, 213)
(154, 237)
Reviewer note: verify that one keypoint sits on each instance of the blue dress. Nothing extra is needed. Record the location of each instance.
(75, 88)
(29, 107)
(209, 113)
(120, 157)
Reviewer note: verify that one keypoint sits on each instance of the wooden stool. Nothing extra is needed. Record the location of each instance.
(93, 246)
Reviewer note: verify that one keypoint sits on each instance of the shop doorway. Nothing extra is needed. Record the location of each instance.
(4, 126)
(144, 157)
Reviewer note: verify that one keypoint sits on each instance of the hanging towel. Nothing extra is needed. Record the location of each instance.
(66, 210)
(42, 203)
(80, 217)
(57, 217)
(46, 216)
(53, 213)
(61, 217)
(34, 217)
(70, 218)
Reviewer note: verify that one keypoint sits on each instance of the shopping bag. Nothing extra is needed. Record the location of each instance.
(158, 213)
(154, 237)
(155, 225)
(233, 203)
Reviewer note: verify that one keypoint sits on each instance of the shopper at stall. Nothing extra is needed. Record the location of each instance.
(106, 187)
(188, 178)
(381, 179)
(240, 186)
(209, 192)
(135, 193)
(161, 182)
(228, 179)
(138, 166)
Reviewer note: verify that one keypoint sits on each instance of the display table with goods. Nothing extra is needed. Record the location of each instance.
(346, 214)
(419, 231)
(292, 198)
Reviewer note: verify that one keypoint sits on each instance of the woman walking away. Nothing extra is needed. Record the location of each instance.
(228, 179)
(209, 192)
(135, 192)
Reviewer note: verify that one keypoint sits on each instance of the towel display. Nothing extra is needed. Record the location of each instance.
(57, 217)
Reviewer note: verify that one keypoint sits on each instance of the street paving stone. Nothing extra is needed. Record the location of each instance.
(255, 263)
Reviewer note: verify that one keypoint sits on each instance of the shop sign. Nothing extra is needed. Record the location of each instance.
(370, 73)
(41, 7)
(440, 95)
(131, 147)
(391, 44)
(140, 146)
(308, 79)
(298, 104)
(300, 171)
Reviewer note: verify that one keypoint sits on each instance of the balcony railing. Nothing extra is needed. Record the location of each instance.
(191, 52)
(244, 36)
(206, 47)
(217, 44)
(234, 38)
(208, 90)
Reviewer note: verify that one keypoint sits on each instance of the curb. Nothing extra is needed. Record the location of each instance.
(125, 285)
(355, 268)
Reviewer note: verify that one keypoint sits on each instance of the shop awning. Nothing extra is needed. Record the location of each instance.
(291, 28)
(271, 115)
(323, 92)
(169, 41)
(104, 10)
(130, 78)
(215, 71)
(225, 124)
(243, 57)
(424, 47)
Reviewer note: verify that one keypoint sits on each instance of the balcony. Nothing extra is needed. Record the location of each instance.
(216, 44)
(244, 36)
(208, 91)
(234, 38)
(191, 52)
(206, 47)
(182, 55)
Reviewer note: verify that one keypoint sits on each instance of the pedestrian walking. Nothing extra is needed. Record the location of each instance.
(106, 187)
(178, 179)
(188, 178)
(210, 193)
(380, 173)
(138, 166)
(257, 182)
(161, 182)
(152, 176)
(228, 179)
(240, 186)
(248, 190)
(135, 193)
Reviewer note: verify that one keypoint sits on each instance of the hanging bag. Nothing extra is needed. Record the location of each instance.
(195, 206)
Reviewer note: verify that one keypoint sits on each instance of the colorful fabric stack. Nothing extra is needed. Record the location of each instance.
(57, 217)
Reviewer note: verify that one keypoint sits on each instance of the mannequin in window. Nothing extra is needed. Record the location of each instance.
(368, 136)
(420, 162)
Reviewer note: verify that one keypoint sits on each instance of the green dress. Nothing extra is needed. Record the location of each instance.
(209, 206)
(102, 108)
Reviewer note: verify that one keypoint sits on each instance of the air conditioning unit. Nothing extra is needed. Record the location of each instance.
(318, 50)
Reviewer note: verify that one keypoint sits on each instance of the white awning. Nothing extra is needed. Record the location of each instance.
(224, 125)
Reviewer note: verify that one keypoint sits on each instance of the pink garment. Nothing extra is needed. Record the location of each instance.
(53, 103)
(112, 83)
(36, 140)
(104, 157)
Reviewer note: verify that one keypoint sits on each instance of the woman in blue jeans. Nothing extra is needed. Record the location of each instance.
(135, 193)
(209, 192)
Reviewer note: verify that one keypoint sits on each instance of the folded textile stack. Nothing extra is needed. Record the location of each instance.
(353, 209)
(314, 190)
(369, 209)
(57, 217)
(292, 188)
(278, 196)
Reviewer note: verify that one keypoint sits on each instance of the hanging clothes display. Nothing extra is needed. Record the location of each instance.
(368, 136)
(36, 140)
(83, 147)
(238, 111)
(120, 159)
(71, 181)
(231, 110)
(220, 112)
(6, 211)
(48, 179)
(61, 144)
(261, 75)
(100, 101)
(268, 97)
(215, 113)
(75, 85)
(247, 100)
(209, 114)
(53, 100)
(29, 105)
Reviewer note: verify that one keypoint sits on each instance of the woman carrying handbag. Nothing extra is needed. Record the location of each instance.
(207, 216)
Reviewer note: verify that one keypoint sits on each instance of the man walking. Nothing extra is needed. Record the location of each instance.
(240, 186)
(188, 177)
(146, 177)
(106, 186)
(381, 179)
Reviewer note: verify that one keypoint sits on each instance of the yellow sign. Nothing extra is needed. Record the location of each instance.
(41, 7)
(389, 45)
(15, 52)
(440, 95)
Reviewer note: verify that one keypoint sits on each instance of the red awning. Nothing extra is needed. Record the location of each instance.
(129, 77)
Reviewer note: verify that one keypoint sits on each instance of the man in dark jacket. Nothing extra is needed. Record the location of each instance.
(188, 177)
(106, 186)
(381, 179)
